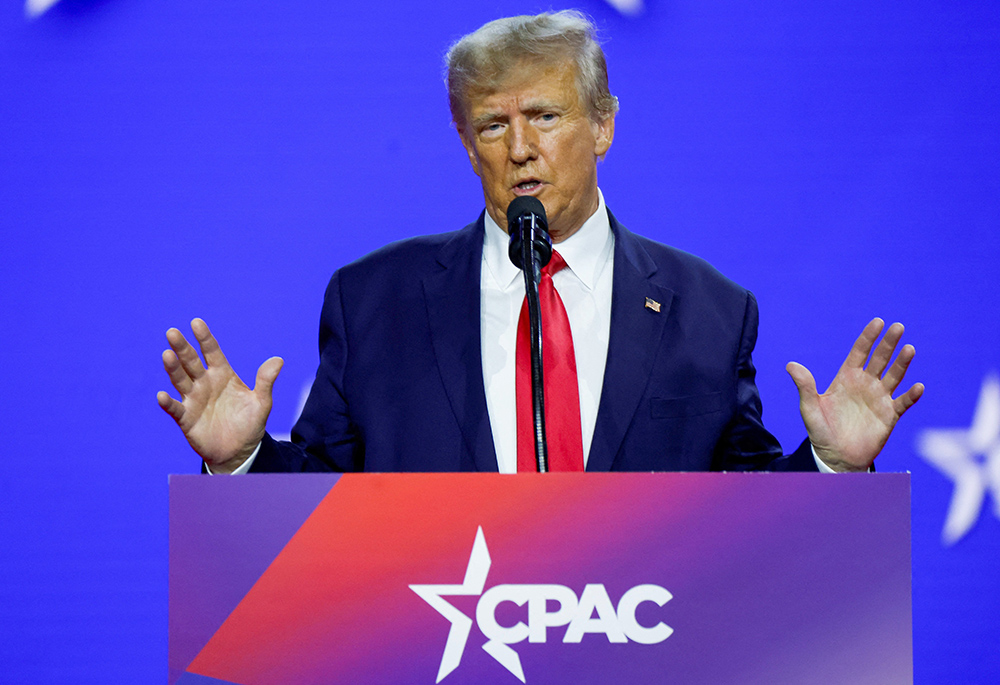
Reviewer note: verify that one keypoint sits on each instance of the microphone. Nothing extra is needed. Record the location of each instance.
(530, 250)
(526, 222)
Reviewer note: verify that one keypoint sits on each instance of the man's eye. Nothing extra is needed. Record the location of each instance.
(548, 116)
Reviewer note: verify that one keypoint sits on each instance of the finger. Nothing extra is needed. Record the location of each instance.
(908, 399)
(894, 376)
(170, 405)
(883, 353)
(862, 347)
(178, 376)
(186, 354)
(266, 375)
(806, 384)
(209, 345)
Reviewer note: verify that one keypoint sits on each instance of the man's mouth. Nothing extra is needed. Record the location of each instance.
(527, 186)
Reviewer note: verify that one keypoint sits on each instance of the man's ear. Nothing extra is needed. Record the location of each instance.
(604, 133)
(470, 150)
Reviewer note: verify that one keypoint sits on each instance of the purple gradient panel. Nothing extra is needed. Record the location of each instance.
(775, 577)
(224, 532)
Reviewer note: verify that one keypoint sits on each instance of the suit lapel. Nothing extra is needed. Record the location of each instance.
(453, 301)
(636, 331)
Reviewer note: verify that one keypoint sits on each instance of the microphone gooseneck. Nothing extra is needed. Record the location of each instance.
(530, 250)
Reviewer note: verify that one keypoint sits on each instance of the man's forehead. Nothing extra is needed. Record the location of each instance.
(527, 83)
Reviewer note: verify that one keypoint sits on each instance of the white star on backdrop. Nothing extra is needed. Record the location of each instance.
(35, 8)
(971, 459)
(629, 7)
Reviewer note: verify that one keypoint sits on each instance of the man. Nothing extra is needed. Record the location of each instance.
(418, 340)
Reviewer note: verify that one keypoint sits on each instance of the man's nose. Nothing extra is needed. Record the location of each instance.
(523, 144)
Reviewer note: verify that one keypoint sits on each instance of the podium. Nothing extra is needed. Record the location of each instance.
(540, 579)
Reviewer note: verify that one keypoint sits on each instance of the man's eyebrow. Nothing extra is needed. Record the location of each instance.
(486, 117)
(541, 106)
(535, 107)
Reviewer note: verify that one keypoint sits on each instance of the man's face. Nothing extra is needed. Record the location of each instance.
(532, 135)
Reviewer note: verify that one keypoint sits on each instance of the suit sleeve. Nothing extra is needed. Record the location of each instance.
(746, 444)
(324, 438)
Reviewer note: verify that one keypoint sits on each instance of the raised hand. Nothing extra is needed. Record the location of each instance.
(849, 424)
(220, 416)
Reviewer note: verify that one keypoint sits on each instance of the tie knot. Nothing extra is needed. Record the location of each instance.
(556, 264)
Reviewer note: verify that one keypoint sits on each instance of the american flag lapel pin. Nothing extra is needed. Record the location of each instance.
(652, 304)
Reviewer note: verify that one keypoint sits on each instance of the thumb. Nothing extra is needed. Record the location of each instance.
(266, 375)
(805, 383)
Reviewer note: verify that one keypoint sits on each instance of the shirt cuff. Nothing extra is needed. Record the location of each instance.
(820, 464)
(245, 466)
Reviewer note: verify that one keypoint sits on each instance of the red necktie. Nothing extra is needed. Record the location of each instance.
(562, 394)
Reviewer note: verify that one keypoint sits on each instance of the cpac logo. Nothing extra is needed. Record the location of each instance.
(576, 613)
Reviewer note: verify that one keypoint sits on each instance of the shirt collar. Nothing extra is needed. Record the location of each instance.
(586, 252)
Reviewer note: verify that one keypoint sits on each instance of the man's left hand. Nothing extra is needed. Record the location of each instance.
(851, 421)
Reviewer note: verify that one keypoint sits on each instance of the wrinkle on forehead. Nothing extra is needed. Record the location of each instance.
(510, 81)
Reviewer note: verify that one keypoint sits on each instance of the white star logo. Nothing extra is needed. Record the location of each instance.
(461, 625)
(970, 458)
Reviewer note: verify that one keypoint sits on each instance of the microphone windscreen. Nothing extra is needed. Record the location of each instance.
(529, 231)
(525, 204)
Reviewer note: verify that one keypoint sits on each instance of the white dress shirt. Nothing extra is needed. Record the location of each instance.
(585, 289)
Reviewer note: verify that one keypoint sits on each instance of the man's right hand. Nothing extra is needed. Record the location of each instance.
(220, 416)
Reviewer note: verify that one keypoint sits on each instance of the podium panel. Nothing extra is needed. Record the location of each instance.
(540, 579)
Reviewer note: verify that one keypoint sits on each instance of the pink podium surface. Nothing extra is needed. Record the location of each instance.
(553, 578)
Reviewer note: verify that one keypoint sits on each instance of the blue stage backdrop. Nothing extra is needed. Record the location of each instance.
(160, 161)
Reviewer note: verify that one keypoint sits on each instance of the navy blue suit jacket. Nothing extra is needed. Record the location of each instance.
(400, 382)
